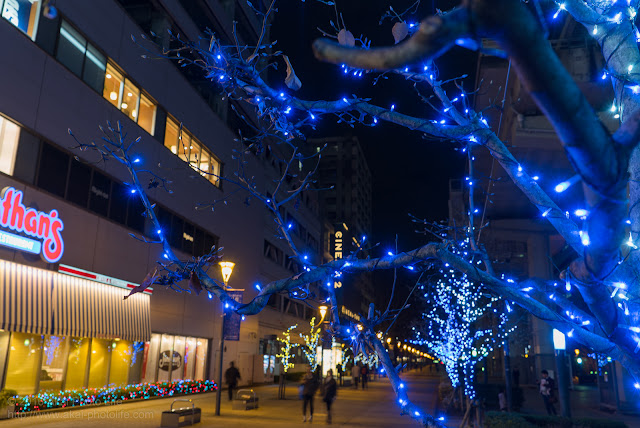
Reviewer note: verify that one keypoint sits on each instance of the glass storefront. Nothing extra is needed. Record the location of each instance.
(168, 358)
(36, 363)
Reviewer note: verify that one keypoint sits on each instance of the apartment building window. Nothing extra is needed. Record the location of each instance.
(190, 150)
(128, 98)
(23, 14)
(83, 59)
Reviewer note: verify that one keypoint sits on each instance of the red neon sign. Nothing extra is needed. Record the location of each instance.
(48, 227)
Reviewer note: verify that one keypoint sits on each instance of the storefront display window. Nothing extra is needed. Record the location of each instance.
(176, 357)
(53, 359)
(77, 362)
(120, 362)
(99, 365)
(23, 367)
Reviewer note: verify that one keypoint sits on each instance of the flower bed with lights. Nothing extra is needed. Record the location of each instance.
(110, 395)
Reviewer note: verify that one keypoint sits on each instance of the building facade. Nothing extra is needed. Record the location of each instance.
(345, 200)
(519, 240)
(67, 257)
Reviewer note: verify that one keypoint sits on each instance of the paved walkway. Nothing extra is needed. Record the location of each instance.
(375, 407)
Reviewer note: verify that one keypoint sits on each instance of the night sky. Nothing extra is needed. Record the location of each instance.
(410, 174)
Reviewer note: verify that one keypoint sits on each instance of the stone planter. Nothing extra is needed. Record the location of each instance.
(7, 411)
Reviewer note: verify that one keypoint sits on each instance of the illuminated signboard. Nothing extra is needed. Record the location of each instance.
(47, 227)
(103, 279)
(337, 253)
(23, 14)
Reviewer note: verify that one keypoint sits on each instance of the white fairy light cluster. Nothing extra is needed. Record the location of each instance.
(452, 324)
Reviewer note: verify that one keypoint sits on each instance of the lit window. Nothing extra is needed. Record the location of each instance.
(194, 154)
(9, 135)
(130, 98)
(171, 136)
(113, 83)
(184, 142)
(215, 171)
(190, 150)
(147, 114)
(24, 14)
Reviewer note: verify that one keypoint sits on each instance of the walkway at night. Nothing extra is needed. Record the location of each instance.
(374, 407)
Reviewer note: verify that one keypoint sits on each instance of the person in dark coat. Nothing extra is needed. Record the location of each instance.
(330, 392)
(231, 376)
(309, 387)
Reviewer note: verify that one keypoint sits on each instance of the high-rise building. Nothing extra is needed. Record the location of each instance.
(66, 254)
(345, 200)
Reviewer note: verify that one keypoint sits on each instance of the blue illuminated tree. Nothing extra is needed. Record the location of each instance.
(461, 323)
(604, 315)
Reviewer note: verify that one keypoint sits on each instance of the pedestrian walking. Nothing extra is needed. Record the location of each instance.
(516, 377)
(364, 373)
(502, 400)
(231, 376)
(546, 390)
(355, 374)
(330, 391)
(309, 387)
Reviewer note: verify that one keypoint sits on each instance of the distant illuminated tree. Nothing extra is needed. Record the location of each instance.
(286, 349)
(452, 324)
(311, 341)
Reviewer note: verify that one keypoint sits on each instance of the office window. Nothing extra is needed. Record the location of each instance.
(147, 114)
(188, 237)
(135, 214)
(71, 48)
(184, 142)
(79, 183)
(171, 136)
(100, 193)
(24, 14)
(130, 99)
(113, 83)
(9, 136)
(119, 198)
(95, 66)
(194, 154)
(52, 171)
(177, 227)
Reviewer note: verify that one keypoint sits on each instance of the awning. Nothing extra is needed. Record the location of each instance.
(39, 301)
(25, 298)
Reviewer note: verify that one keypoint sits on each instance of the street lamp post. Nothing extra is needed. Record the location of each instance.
(559, 343)
(323, 311)
(227, 269)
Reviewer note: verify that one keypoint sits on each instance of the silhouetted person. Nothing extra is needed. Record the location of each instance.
(546, 390)
(330, 391)
(355, 374)
(516, 377)
(309, 386)
(231, 376)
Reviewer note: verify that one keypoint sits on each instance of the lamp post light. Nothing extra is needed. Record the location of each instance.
(560, 344)
(227, 269)
(323, 312)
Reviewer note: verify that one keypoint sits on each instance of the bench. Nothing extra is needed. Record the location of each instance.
(246, 399)
(180, 417)
(608, 408)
